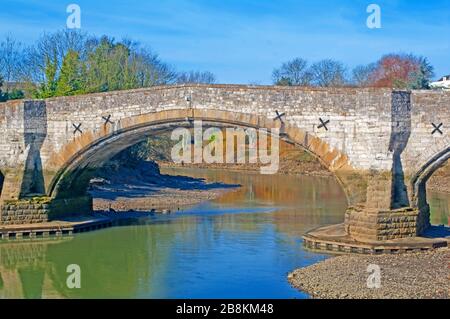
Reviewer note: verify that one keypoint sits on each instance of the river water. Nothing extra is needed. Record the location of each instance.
(241, 245)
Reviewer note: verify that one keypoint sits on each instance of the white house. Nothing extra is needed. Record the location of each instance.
(442, 83)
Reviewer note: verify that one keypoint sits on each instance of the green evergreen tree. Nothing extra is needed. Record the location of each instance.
(48, 87)
(70, 81)
(15, 94)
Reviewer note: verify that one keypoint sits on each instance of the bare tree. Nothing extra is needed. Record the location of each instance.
(328, 73)
(294, 72)
(361, 75)
(205, 77)
(54, 47)
(149, 68)
(11, 60)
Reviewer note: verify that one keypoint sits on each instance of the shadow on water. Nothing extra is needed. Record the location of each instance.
(35, 132)
(437, 232)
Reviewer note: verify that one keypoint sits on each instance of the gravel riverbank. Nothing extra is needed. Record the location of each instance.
(144, 188)
(159, 199)
(405, 276)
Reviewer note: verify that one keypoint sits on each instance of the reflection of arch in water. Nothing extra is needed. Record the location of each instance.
(418, 183)
(127, 268)
(24, 269)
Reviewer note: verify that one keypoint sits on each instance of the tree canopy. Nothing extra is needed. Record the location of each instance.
(70, 62)
(196, 77)
(294, 72)
(399, 71)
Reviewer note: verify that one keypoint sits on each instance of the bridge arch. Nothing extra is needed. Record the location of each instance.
(422, 176)
(419, 181)
(75, 162)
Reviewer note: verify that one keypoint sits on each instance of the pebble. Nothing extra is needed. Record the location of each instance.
(405, 276)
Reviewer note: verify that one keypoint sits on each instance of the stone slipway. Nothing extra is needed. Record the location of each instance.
(335, 239)
(57, 228)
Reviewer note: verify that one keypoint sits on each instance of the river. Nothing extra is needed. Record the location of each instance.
(241, 245)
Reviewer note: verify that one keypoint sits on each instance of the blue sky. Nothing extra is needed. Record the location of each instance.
(241, 41)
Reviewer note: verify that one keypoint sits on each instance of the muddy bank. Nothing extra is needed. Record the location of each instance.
(405, 276)
(141, 187)
(293, 161)
(159, 200)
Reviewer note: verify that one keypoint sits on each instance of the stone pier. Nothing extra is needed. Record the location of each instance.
(380, 144)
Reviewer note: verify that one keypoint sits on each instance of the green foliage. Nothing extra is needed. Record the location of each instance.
(70, 62)
(420, 79)
(400, 71)
(110, 67)
(15, 94)
(48, 87)
(306, 157)
(284, 81)
(71, 80)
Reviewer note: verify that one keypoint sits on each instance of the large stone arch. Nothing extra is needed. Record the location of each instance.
(418, 185)
(69, 170)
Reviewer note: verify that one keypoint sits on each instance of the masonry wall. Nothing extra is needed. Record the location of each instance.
(359, 118)
(35, 211)
(23, 212)
(360, 122)
(375, 225)
(427, 107)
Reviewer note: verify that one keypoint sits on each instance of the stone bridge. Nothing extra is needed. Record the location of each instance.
(381, 145)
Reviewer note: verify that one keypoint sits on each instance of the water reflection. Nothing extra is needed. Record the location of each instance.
(440, 208)
(240, 246)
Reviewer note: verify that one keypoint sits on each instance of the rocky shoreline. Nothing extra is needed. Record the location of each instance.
(413, 275)
(419, 275)
(165, 200)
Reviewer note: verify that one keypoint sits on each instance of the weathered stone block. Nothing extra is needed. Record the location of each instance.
(369, 225)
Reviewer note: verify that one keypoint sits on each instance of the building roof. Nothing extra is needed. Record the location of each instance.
(446, 77)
